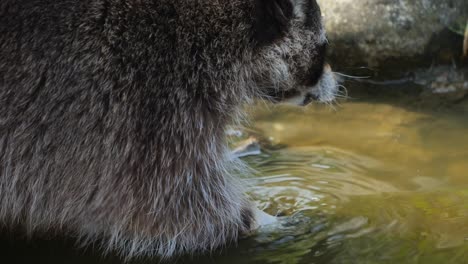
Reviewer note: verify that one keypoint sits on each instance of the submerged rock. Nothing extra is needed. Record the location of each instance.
(249, 147)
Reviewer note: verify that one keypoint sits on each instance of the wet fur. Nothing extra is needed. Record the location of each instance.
(112, 115)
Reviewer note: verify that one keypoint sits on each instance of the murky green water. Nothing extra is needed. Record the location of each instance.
(368, 183)
(374, 181)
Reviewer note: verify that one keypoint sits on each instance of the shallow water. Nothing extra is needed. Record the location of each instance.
(373, 181)
(369, 182)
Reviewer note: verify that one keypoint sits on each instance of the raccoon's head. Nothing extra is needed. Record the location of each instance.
(290, 53)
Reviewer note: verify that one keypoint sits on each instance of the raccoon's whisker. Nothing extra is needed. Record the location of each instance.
(389, 82)
(339, 96)
(331, 104)
(351, 76)
(362, 68)
(337, 104)
(342, 91)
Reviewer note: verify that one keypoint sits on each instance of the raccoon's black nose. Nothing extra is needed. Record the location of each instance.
(309, 98)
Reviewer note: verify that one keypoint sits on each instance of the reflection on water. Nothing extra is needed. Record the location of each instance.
(367, 183)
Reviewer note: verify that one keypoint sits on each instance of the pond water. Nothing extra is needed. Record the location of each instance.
(371, 181)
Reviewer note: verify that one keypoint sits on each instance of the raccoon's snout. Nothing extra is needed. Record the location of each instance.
(324, 90)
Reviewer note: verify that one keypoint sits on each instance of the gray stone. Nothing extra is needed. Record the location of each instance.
(376, 32)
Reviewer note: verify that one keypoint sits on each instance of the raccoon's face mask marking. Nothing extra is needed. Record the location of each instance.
(292, 44)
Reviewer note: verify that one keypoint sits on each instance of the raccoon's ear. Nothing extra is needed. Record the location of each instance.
(271, 20)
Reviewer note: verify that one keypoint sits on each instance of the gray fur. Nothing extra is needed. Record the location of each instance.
(112, 117)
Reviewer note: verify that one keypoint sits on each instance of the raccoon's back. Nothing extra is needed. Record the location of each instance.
(43, 53)
(54, 103)
(87, 92)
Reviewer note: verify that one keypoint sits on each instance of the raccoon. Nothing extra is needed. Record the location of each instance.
(112, 114)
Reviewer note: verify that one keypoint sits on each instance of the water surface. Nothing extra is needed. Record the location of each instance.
(369, 182)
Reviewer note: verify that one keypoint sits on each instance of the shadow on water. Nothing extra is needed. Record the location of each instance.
(15, 247)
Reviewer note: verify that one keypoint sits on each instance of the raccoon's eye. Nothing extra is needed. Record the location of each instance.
(271, 20)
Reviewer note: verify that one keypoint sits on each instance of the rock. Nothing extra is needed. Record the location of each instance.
(444, 81)
(433, 85)
(384, 32)
(249, 147)
(465, 42)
